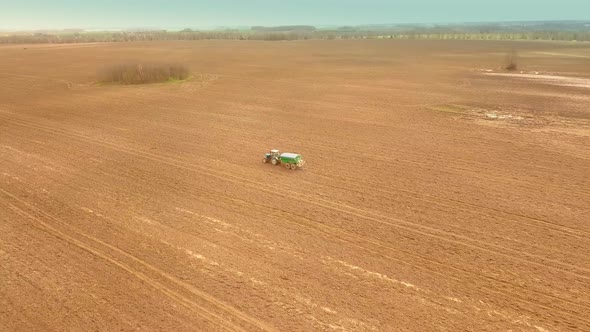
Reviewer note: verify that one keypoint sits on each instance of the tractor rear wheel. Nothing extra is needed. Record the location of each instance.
(274, 161)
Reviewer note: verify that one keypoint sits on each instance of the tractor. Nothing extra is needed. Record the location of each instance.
(289, 160)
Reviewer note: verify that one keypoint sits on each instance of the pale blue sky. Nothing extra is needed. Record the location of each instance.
(29, 14)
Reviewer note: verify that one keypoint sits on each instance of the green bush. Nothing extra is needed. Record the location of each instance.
(511, 61)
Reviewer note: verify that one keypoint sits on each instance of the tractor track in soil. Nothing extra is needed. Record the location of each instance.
(433, 165)
(96, 250)
(374, 186)
(354, 240)
(417, 160)
(258, 185)
(367, 216)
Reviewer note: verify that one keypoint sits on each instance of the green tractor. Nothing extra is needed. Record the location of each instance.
(289, 160)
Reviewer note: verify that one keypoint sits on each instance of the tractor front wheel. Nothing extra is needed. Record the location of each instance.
(264, 160)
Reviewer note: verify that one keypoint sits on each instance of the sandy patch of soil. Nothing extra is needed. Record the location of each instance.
(576, 82)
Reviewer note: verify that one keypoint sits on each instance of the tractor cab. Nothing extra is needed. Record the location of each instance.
(275, 153)
(274, 157)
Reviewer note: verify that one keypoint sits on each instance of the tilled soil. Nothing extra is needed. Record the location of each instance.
(435, 196)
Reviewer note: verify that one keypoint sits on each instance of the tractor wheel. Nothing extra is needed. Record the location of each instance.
(293, 166)
(274, 162)
(264, 160)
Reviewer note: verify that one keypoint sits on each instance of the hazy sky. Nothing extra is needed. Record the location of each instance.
(29, 14)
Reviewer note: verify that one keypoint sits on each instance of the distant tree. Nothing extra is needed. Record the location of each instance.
(511, 61)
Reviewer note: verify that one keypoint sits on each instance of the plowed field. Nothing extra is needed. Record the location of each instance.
(440, 193)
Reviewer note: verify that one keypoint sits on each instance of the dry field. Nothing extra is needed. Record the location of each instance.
(439, 193)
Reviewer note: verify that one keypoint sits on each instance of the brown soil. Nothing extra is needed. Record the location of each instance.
(435, 197)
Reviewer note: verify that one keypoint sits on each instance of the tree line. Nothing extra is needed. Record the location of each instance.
(301, 34)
